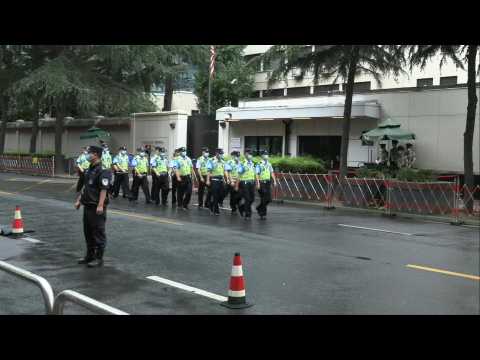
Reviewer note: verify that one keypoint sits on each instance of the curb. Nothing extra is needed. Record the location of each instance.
(380, 212)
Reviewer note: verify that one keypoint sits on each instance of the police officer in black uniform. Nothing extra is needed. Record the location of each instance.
(94, 199)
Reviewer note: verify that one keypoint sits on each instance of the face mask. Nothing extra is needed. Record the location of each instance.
(89, 157)
(206, 154)
(162, 155)
(183, 153)
(265, 157)
(220, 156)
(249, 156)
(142, 154)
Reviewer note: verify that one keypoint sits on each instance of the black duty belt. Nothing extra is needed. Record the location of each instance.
(162, 173)
(185, 176)
(217, 178)
(265, 181)
(247, 181)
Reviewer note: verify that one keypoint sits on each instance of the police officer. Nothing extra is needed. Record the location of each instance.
(382, 159)
(201, 167)
(410, 156)
(82, 165)
(265, 176)
(394, 156)
(183, 171)
(140, 166)
(246, 188)
(94, 198)
(173, 177)
(232, 180)
(106, 157)
(159, 166)
(216, 168)
(120, 167)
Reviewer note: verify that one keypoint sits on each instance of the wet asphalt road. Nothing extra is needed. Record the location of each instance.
(299, 261)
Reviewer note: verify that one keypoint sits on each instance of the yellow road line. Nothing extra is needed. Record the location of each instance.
(150, 218)
(6, 193)
(32, 186)
(446, 272)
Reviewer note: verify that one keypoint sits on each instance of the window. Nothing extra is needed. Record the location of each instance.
(256, 94)
(448, 81)
(325, 89)
(360, 86)
(298, 91)
(273, 144)
(272, 92)
(425, 82)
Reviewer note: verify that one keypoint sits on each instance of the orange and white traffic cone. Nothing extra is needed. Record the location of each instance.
(236, 293)
(17, 224)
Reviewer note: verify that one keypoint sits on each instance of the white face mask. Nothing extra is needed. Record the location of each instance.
(249, 156)
(265, 157)
(142, 154)
(183, 153)
(206, 154)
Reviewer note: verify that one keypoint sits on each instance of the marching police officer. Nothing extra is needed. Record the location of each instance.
(159, 166)
(120, 167)
(82, 165)
(232, 180)
(246, 186)
(140, 166)
(265, 176)
(94, 198)
(173, 177)
(216, 180)
(201, 167)
(183, 171)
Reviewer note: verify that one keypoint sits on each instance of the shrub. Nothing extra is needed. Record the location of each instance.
(371, 173)
(300, 164)
(418, 175)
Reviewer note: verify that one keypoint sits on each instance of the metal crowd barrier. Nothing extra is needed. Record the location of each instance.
(55, 305)
(440, 198)
(28, 164)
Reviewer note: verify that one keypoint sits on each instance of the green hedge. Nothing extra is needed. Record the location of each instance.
(404, 174)
(300, 164)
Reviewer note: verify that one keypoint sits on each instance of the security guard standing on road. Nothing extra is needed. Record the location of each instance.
(94, 198)
(173, 177)
(246, 171)
(232, 180)
(202, 172)
(159, 166)
(265, 175)
(82, 165)
(216, 168)
(183, 171)
(140, 166)
(120, 167)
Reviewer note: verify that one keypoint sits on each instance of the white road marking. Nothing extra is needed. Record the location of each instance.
(188, 288)
(220, 207)
(372, 229)
(31, 239)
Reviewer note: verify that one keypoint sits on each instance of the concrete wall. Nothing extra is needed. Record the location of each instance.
(182, 100)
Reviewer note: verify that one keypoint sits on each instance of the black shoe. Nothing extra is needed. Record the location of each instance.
(98, 261)
(115, 196)
(85, 260)
(124, 197)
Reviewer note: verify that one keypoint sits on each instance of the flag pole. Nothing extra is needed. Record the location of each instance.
(209, 92)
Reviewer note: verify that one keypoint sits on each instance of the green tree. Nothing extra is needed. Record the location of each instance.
(419, 55)
(334, 62)
(233, 78)
(79, 79)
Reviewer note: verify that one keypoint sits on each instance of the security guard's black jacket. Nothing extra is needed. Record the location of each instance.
(96, 180)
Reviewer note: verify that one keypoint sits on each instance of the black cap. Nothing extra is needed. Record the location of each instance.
(96, 150)
(264, 152)
(162, 149)
(140, 149)
(235, 153)
(122, 148)
(182, 149)
(157, 148)
(205, 149)
(219, 151)
(247, 151)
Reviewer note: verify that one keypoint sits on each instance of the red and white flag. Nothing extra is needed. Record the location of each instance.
(212, 61)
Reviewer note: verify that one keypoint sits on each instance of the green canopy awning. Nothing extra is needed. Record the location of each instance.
(388, 130)
(95, 133)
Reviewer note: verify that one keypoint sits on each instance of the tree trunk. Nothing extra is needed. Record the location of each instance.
(33, 138)
(470, 123)
(348, 112)
(4, 118)
(167, 99)
(59, 158)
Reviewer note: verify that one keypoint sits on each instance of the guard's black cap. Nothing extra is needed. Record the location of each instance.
(205, 149)
(163, 150)
(122, 148)
(140, 149)
(219, 151)
(95, 150)
(157, 148)
(235, 153)
(247, 151)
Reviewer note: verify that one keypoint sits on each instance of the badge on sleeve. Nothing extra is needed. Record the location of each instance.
(104, 182)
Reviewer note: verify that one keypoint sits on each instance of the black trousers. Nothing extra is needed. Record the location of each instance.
(94, 228)
(247, 197)
(160, 183)
(143, 182)
(174, 188)
(81, 181)
(218, 194)
(121, 180)
(265, 193)
(184, 191)
(201, 191)
(234, 196)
